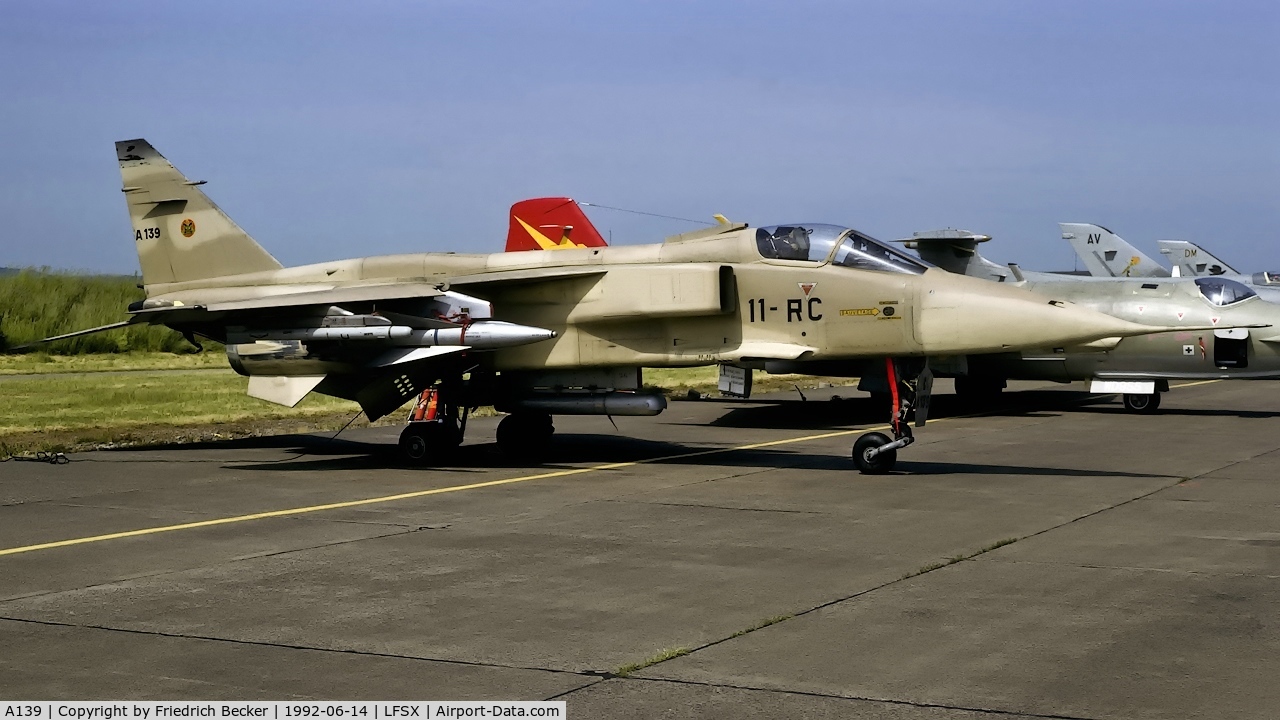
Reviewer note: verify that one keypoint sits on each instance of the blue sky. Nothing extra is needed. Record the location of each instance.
(334, 130)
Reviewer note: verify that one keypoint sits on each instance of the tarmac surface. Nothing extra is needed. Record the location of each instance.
(1054, 558)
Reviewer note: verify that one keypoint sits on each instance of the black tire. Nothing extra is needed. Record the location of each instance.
(525, 433)
(879, 464)
(424, 442)
(1142, 404)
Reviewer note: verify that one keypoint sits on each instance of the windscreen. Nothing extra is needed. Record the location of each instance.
(866, 253)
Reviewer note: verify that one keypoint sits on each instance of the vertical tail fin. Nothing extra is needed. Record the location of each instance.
(180, 234)
(1193, 260)
(550, 224)
(1105, 254)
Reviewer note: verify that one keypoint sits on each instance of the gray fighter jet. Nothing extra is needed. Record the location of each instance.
(1244, 344)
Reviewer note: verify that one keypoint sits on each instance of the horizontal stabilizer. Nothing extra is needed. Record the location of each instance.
(283, 390)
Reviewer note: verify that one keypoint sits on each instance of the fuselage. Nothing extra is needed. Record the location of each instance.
(696, 300)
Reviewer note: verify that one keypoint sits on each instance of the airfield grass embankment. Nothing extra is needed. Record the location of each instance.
(131, 399)
(36, 304)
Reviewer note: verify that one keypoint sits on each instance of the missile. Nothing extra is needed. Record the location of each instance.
(479, 335)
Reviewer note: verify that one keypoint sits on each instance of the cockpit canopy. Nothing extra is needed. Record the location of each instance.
(1266, 278)
(815, 242)
(1222, 291)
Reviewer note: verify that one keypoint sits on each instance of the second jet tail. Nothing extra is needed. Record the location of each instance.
(1191, 260)
(1106, 254)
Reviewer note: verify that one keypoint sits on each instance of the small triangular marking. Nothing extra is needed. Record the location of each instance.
(1180, 315)
(1213, 320)
(807, 288)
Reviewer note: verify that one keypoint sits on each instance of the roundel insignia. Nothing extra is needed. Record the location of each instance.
(188, 227)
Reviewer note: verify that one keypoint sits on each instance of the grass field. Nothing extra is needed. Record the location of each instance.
(41, 363)
(36, 304)
(91, 401)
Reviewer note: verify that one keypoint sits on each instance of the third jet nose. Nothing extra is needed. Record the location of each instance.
(960, 314)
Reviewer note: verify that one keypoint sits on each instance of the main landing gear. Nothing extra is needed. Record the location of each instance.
(436, 426)
(438, 422)
(875, 453)
(525, 432)
(1142, 403)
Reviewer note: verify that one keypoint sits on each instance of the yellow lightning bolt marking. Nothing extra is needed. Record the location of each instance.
(545, 242)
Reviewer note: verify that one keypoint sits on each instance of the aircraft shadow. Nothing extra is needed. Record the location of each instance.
(1190, 412)
(602, 449)
(907, 467)
(841, 411)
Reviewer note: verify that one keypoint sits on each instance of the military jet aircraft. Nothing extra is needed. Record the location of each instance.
(565, 329)
(1231, 332)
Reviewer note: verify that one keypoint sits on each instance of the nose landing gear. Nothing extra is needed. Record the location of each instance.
(875, 453)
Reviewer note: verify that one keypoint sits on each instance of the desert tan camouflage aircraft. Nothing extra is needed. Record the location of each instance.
(566, 330)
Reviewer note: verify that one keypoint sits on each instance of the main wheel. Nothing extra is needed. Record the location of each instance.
(881, 463)
(525, 433)
(421, 442)
(979, 389)
(1142, 403)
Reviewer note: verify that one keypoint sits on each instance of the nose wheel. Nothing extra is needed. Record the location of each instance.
(876, 453)
(871, 456)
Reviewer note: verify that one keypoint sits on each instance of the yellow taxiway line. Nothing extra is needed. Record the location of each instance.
(1193, 384)
(418, 493)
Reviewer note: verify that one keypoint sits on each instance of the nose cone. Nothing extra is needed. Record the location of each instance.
(961, 315)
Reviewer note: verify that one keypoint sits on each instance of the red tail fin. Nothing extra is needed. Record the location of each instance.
(550, 224)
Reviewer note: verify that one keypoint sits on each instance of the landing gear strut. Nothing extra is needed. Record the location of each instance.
(875, 453)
